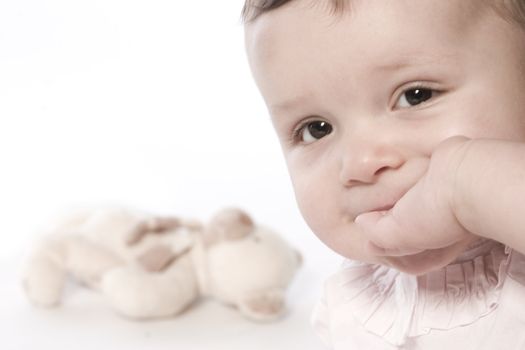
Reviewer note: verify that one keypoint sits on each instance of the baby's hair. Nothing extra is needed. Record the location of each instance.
(254, 8)
(513, 10)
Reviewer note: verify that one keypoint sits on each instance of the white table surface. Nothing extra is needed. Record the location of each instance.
(84, 321)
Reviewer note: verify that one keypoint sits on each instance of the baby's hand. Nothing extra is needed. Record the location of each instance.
(423, 218)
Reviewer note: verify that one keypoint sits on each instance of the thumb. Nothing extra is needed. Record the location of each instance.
(385, 237)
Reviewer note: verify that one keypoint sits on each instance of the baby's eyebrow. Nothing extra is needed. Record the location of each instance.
(403, 62)
(384, 66)
(288, 104)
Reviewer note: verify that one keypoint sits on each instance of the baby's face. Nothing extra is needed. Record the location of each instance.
(360, 101)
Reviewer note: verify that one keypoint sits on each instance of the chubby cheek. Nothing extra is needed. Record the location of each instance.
(316, 202)
(329, 223)
(314, 206)
(494, 112)
(311, 188)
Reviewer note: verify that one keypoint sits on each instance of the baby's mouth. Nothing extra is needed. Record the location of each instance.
(383, 202)
(384, 208)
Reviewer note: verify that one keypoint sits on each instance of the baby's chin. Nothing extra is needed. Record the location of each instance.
(426, 261)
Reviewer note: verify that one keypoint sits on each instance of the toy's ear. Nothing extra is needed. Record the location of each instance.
(230, 224)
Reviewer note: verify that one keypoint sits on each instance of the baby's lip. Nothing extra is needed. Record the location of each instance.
(374, 202)
(386, 207)
(379, 208)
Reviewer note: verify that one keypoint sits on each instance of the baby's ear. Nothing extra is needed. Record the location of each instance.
(229, 224)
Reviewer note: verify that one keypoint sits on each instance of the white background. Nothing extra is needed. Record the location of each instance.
(148, 104)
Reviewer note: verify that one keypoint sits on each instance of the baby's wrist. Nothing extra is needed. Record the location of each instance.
(451, 166)
(470, 171)
(460, 174)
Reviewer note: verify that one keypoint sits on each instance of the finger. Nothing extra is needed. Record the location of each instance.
(385, 235)
(379, 227)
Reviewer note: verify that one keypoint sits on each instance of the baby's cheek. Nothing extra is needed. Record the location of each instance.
(317, 202)
(337, 232)
(311, 212)
(313, 204)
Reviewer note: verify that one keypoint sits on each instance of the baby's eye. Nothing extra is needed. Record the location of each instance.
(414, 96)
(312, 131)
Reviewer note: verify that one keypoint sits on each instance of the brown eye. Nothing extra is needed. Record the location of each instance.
(413, 97)
(314, 130)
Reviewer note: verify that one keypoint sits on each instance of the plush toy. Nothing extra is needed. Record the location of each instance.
(153, 267)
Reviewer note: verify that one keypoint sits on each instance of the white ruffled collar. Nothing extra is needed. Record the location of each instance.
(397, 306)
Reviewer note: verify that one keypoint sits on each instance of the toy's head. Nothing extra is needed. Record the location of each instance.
(248, 265)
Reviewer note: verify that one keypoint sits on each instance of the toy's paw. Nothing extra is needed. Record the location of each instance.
(43, 281)
(130, 292)
(264, 306)
(137, 294)
(157, 258)
(156, 225)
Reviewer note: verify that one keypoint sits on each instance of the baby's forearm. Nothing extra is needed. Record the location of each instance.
(490, 191)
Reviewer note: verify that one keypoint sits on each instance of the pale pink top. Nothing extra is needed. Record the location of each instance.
(477, 302)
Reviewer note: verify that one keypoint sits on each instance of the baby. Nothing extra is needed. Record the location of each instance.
(403, 127)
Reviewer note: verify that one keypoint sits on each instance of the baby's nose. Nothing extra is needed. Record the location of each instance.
(366, 161)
